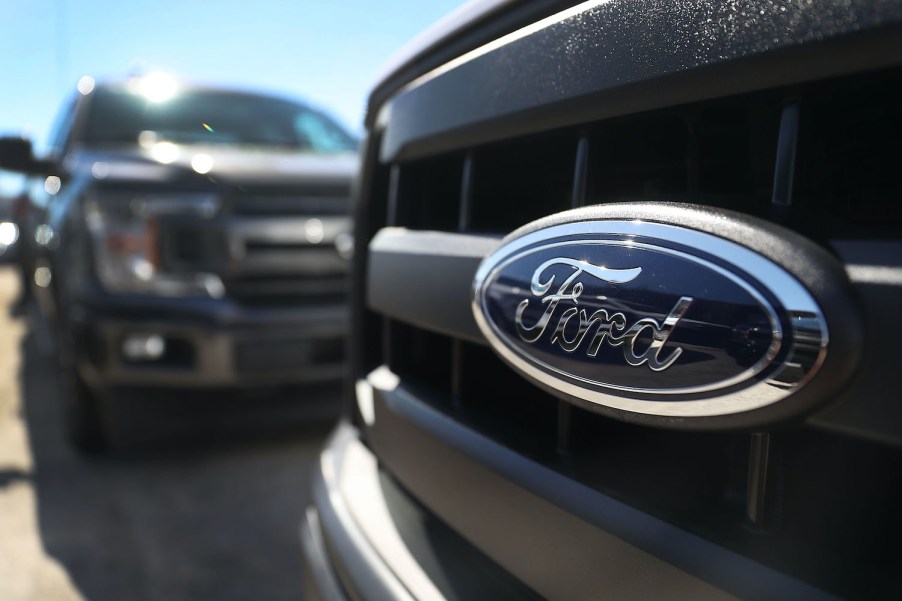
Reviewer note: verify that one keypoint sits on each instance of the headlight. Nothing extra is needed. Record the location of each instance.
(9, 233)
(125, 229)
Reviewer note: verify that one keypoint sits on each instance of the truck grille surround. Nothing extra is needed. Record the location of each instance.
(272, 248)
(815, 151)
(282, 244)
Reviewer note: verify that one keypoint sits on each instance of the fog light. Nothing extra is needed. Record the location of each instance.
(143, 347)
(42, 277)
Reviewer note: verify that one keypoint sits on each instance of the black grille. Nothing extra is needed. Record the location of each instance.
(516, 183)
(831, 498)
(721, 154)
(189, 244)
(270, 247)
(274, 356)
(311, 200)
(260, 290)
(852, 138)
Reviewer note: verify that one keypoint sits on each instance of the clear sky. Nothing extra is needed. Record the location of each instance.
(324, 51)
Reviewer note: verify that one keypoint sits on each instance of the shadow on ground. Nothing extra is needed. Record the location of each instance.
(202, 501)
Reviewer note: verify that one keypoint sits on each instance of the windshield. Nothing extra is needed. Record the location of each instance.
(212, 117)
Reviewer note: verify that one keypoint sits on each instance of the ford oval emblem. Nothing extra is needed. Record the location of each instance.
(649, 318)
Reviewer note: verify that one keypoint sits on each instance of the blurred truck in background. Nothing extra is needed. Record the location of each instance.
(184, 238)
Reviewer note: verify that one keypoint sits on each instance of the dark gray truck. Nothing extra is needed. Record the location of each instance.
(624, 309)
(188, 239)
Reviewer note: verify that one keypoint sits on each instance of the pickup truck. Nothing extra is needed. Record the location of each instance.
(184, 239)
(624, 305)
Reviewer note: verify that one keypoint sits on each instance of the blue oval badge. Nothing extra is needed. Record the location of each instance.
(649, 318)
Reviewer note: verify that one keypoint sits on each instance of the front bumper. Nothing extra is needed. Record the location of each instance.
(547, 537)
(210, 344)
(340, 561)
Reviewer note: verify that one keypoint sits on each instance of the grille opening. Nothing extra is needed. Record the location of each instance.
(850, 150)
(253, 246)
(311, 199)
(262, 290)
(641, 158)
(429, 194)
(286, 301)
(515, 183)
(273, 356)
(687, 477)
(370, 350)
(736, 149)
(500, 403)
(827, 481)
(422, 360)
(720, 154)
(328, 351)
(369, 217)
(186, 246)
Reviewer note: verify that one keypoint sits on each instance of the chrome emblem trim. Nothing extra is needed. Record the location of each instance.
(568, 331)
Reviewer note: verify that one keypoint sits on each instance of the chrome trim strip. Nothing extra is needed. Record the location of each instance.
(358, 565)
(523, 32)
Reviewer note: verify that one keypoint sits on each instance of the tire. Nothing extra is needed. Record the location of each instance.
(83, 415)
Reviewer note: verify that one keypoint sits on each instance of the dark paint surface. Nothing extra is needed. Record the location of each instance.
(615, 44)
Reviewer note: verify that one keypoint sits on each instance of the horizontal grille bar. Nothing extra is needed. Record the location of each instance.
(288, 229)
(426, 278)
(286, 246)
(307, 261)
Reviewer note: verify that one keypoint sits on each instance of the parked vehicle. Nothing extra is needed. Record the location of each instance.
(185, 238)
(623, 300)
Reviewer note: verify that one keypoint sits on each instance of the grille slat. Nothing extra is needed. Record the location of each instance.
(787, 145)
(425, 278)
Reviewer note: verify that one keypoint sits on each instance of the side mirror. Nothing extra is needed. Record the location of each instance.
(16, 154)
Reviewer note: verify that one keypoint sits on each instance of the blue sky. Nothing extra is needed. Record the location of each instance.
(324, 51)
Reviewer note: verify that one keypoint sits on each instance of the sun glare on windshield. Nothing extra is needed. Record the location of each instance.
(155, 87)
